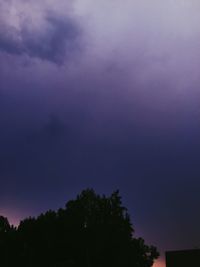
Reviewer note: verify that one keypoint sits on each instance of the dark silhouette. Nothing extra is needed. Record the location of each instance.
(183, 258)
(91, 231)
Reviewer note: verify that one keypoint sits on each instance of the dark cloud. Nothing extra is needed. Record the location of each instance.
(8, 40)
(56, 43)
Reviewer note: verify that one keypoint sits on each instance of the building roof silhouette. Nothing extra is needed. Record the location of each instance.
(183, 258)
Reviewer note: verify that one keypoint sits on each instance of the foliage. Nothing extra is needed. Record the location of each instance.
(91, 231)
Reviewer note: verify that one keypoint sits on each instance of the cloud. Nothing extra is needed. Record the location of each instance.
(46, 34)
(127, 111)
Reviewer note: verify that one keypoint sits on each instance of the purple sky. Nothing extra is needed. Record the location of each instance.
(103, 94)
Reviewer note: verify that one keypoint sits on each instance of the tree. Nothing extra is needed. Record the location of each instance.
(91, 231)
(5, 229)
(105, 234)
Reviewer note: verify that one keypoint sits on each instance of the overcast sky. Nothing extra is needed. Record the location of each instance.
(103, 94)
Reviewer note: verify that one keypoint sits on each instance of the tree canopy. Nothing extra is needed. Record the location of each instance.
(91, 231)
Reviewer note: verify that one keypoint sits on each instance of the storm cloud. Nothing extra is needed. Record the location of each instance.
(38, 31)
(103, 94)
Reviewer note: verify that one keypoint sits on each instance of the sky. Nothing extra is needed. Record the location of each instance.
(103, 94)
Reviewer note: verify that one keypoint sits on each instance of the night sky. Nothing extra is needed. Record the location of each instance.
(103, 94)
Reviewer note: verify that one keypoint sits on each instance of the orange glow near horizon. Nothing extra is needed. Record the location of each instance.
(159, 263)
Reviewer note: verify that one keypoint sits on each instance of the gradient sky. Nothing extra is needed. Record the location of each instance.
(103, 94)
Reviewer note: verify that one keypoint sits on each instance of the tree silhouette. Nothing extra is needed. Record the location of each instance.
(91, 231)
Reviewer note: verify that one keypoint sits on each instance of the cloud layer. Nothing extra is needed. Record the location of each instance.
(38, 30)
(103, 94)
